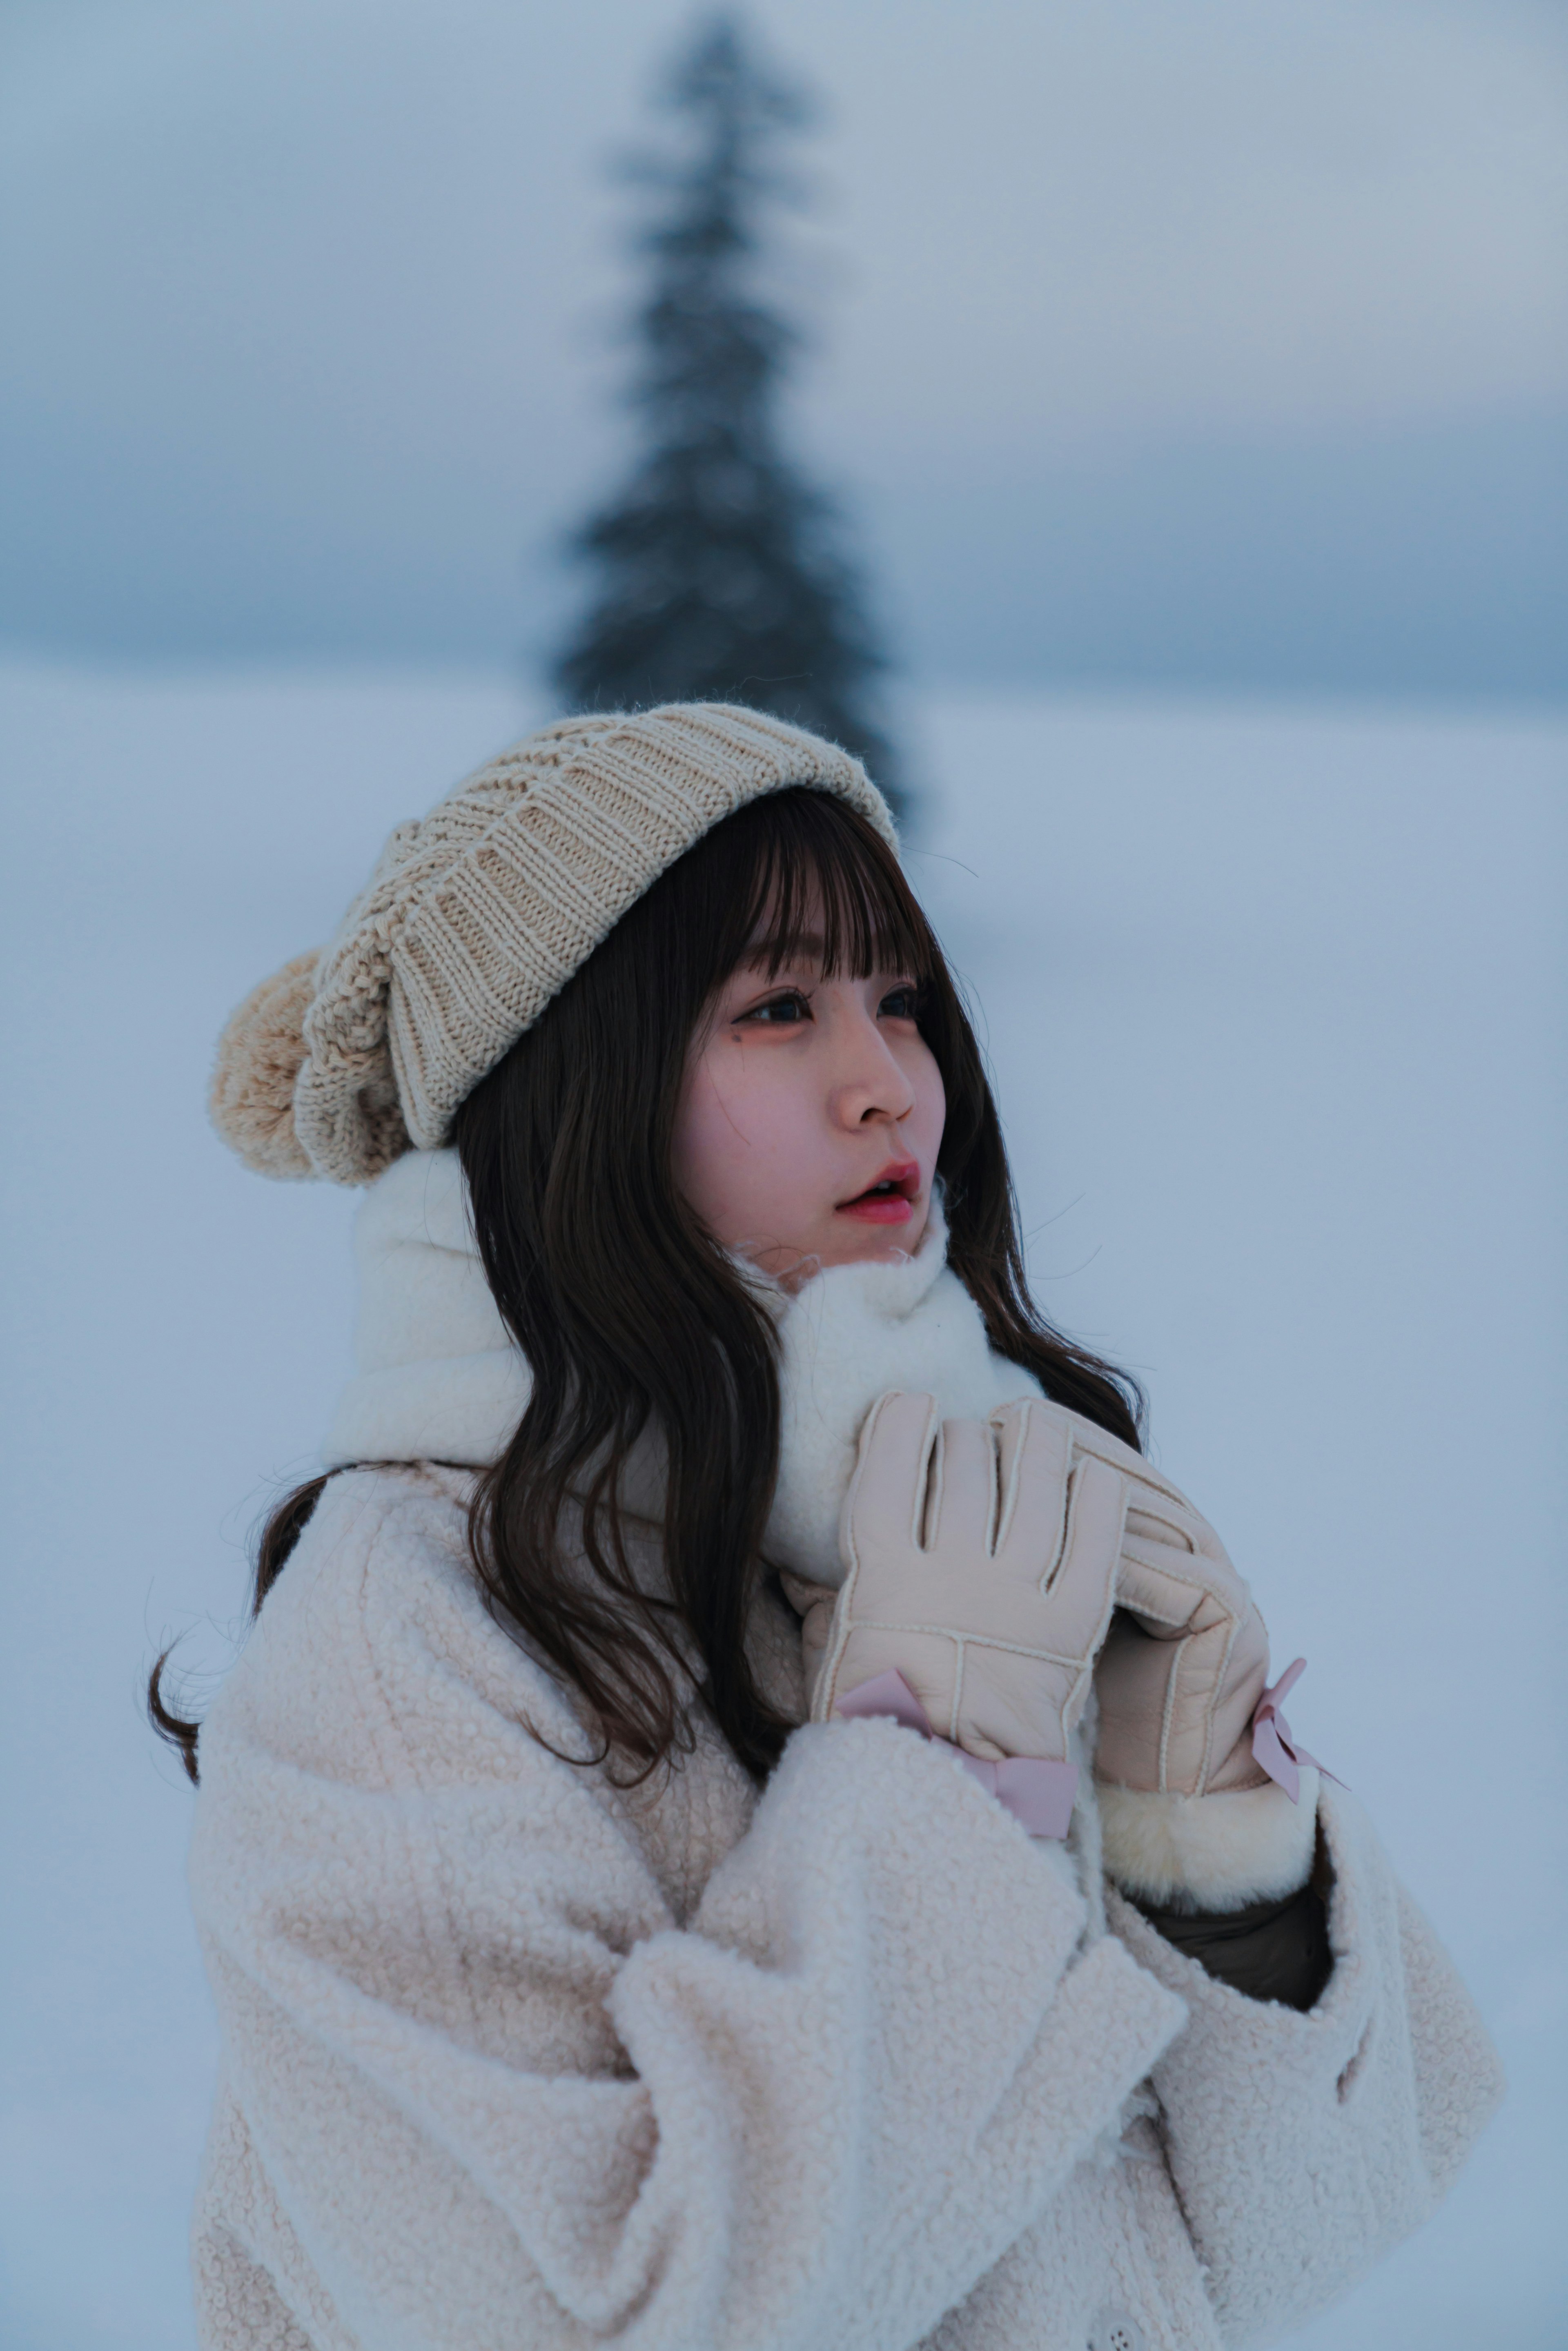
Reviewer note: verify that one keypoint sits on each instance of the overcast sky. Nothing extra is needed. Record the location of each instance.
(1205, 341)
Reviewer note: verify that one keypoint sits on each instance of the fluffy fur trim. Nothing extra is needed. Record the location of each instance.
(849, 1335)
(260, 1055)
(1209, 1853)
(437, 1376)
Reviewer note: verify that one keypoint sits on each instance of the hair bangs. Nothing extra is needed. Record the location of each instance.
(808, 880)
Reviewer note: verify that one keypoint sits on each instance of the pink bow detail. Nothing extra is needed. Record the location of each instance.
(1272, 1746)
(1038, 1792)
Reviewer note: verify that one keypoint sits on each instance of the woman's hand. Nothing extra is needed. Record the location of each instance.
(981, 1560)
(1178, 1681)
(1185, 1660)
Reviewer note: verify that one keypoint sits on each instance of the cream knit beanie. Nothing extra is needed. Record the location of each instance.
(477, 914)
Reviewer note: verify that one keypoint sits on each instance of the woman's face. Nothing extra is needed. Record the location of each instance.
(810, 1118)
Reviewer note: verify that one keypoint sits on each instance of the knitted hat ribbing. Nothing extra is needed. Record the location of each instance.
(477, 914)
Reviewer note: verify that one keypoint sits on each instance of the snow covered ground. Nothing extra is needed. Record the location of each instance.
(1275, 1001)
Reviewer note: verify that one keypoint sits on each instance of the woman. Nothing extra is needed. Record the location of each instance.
(749, 1816)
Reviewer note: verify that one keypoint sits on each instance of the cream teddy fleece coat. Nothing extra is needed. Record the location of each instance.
(517, 2060)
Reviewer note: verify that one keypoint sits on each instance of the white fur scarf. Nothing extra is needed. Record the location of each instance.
(437, 1376)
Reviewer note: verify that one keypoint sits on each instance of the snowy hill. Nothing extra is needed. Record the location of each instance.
(1275, 1002)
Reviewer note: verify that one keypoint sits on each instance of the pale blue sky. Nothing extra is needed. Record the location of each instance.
(1203, 342)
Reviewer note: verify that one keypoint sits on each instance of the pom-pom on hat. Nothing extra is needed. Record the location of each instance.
(477, 914)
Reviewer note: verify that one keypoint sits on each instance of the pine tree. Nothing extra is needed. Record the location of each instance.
(720, 577)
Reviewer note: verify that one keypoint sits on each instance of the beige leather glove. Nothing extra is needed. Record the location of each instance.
(1188, 1813)
(1185, 1660)
(981, 1560)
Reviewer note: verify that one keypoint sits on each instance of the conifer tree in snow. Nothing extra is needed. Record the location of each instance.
(719, 575)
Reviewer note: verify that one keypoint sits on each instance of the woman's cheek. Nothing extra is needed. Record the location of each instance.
(929, 1116)
(775, 1125)
(704, 1144)
(741, 1142)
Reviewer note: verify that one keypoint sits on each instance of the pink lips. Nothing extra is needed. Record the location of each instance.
(889, 1199)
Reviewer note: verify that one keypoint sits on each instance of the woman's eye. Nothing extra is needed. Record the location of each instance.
(779, 1011)
(899, 1003)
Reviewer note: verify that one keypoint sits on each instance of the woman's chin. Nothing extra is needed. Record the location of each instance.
(859, 1239)
(849, 1239)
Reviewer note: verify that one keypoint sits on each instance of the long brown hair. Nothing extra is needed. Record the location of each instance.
(637, 1326)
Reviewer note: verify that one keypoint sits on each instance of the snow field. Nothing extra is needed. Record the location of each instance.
(1275, 1003)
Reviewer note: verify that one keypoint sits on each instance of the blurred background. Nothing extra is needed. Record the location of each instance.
(1218, 345)
(1174, 463)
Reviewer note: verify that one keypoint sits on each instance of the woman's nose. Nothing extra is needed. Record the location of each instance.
(870, 1085)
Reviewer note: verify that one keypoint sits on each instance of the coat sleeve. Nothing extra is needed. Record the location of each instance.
(484, 2089)
(1303, 2147)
